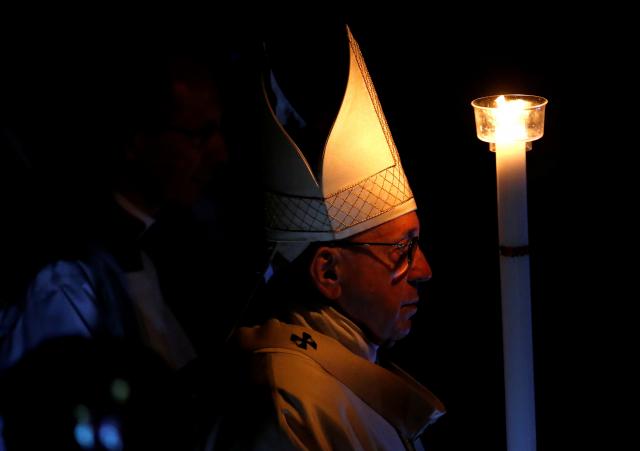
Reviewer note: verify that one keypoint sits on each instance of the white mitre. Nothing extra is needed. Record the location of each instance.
(361, 183)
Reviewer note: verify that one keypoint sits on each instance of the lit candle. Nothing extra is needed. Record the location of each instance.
(510, 123)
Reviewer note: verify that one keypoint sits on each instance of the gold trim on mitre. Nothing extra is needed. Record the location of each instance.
(361, 184)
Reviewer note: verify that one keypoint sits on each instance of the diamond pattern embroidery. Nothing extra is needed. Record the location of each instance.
(296, 213)
(370, 198)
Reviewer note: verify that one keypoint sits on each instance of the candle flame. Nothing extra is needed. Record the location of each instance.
(510, 116)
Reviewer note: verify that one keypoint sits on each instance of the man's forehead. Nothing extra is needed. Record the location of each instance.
(196, 103)
(402, 226)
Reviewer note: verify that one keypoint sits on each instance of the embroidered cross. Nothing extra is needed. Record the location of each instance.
(304, 341)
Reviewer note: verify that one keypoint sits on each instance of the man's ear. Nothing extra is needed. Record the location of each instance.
(325, 272)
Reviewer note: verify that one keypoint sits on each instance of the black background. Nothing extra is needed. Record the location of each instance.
(427, 67)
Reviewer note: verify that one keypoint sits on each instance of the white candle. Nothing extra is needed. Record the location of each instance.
(516, 297)
(511, 175)
(510, 125)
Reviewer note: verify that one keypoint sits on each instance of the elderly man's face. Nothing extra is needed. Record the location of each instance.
(181, 159)
(374, 294)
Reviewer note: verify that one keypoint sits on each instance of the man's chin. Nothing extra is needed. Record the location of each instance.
(399, 335)
(183, 197)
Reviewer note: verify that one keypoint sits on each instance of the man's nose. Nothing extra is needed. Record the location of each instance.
(420, 270)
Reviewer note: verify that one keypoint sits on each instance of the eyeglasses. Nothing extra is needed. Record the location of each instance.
(198, 137)
(408, 249)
